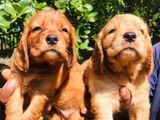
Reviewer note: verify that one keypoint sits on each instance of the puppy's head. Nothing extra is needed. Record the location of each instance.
(49, 37)
(123, 41)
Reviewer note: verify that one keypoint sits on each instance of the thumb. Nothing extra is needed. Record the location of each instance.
(6, 73)
(126, 97)
(7, 90)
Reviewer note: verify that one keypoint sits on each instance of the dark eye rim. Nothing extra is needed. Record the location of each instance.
(36, 28)
(112, 31)
(64, 30)
(142, 31)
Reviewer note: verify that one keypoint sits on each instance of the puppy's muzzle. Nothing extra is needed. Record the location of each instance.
(52, 39)
(129, 37)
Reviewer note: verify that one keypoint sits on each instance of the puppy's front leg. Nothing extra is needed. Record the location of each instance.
(36, 107)
(14, 107)
(101, 107)
(140, 111)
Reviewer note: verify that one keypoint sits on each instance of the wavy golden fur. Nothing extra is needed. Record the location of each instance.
(45, 66)
(122, 57)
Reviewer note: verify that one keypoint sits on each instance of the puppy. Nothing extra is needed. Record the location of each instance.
(45, 66)
(122, 57)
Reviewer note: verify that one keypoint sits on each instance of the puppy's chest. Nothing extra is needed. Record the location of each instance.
(112, 82)
(106, 80)
(38, 80)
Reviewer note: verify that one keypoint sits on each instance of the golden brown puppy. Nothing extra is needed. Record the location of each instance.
(122, 57)
(45, 66)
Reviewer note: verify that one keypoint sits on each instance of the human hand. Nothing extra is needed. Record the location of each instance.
(7, 90)
(126, 98)
(125, 102)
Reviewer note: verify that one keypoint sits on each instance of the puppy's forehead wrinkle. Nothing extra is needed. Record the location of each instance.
(51, 19)
(46, 19)
(128, 20)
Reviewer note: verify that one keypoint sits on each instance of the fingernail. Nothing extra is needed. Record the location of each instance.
(13, 83)
(10, 86)
(49, 108)
(8, 90)
(6, 73)
(84, 110)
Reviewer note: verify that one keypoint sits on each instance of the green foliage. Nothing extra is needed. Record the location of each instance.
(87, 16)
(82, 15)
(13, 15)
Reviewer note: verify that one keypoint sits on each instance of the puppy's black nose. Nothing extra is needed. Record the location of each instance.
(52, 39)
(129, 37)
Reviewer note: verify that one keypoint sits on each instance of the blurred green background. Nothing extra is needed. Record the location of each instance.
(87, 16)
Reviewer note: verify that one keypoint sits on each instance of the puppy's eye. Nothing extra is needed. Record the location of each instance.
(36, 29)
(111, 31)
(64, 30)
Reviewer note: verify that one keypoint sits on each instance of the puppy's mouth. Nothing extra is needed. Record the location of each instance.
(51, 52)
(128, 49)
(128, 54)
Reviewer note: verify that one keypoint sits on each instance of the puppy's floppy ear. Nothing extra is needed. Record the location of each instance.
(98, 56)
(72, 56)
(149, 64)
(21, 58)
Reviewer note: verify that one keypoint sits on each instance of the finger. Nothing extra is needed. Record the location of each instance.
(48, 108)
(126, 97)
(83, 110)
(125, 94)
(6, 73)
(8, 90)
